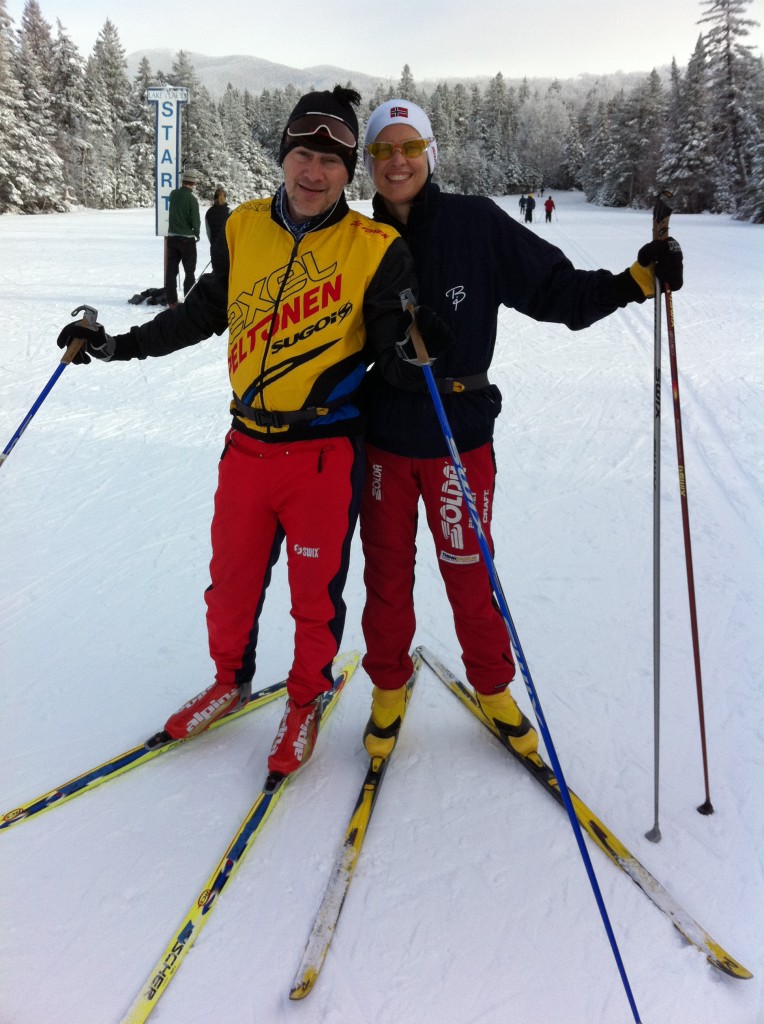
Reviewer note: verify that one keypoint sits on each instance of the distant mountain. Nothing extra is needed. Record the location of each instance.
(254, 73)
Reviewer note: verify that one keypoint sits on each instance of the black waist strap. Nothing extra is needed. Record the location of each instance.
(455, 385)
(267, 418)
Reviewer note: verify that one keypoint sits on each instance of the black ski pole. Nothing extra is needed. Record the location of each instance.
(89, 320)
(706, 807)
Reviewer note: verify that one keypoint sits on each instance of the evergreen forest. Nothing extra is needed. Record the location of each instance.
(77, 131)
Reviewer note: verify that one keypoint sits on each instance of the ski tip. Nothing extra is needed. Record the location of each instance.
(11, 817)
(302, 986)
(729, 966)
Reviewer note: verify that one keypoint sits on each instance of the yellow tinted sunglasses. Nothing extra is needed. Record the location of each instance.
(410, 149)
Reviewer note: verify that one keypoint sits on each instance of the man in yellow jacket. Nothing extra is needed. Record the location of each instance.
(309, 292)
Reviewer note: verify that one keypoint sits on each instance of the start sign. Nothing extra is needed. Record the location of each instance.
(168, 101)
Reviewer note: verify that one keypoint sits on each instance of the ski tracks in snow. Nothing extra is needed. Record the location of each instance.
(107, 502)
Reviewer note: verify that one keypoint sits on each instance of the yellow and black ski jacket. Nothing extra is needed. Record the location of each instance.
(305, 317)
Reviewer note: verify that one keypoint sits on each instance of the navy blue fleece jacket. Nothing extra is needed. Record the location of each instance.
(471, 258)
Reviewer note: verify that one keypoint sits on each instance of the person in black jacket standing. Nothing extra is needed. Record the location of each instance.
(470, 258)
(217, 215)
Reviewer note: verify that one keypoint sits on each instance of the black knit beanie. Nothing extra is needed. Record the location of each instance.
(339, 103)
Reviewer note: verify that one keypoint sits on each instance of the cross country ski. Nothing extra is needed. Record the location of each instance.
(198, 913)
(159, 743)
(602, 836)
(344, 867)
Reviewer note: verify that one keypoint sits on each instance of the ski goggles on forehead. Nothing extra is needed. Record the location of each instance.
(327, 126)
(410, 149)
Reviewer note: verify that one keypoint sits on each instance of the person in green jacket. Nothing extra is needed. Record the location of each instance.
(182, 236)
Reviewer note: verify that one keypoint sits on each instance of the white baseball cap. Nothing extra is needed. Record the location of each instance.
(399, 112)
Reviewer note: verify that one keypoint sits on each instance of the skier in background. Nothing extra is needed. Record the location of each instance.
(522, 203)
(530, 206)
(471, 258)
(548, 207)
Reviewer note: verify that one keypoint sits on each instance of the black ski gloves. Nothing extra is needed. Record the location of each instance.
(435, 333)
(98, 343)
(666, 255)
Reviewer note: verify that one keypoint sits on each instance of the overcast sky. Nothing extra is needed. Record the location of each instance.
(436, 38)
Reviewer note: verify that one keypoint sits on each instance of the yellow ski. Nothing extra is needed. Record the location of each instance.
(116, 766)
(167, 965)
(342, 873)
(601, 834)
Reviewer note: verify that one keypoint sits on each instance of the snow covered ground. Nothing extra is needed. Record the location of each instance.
(470, 904)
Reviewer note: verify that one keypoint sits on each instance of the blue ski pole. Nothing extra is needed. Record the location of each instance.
(423, 360)
(89, 320)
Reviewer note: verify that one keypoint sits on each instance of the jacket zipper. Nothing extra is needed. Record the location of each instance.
(275, 317)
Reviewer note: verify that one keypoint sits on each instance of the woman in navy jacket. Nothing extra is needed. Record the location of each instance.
(471, 258)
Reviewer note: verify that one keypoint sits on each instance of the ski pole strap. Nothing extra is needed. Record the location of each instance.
(455, 385)
(269, 418)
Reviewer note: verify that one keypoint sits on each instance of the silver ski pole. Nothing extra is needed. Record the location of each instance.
(196, 282)
(661, 214)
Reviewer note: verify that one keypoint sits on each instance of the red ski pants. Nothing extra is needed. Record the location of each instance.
(308, 493)
(389, 514)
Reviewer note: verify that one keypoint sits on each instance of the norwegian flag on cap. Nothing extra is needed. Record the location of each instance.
(399, 111)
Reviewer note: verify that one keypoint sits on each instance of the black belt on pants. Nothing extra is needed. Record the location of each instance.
(268, 418)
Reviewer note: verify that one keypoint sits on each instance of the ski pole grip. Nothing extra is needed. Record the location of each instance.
(407, 303)
(90, 321)
(71, 350)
